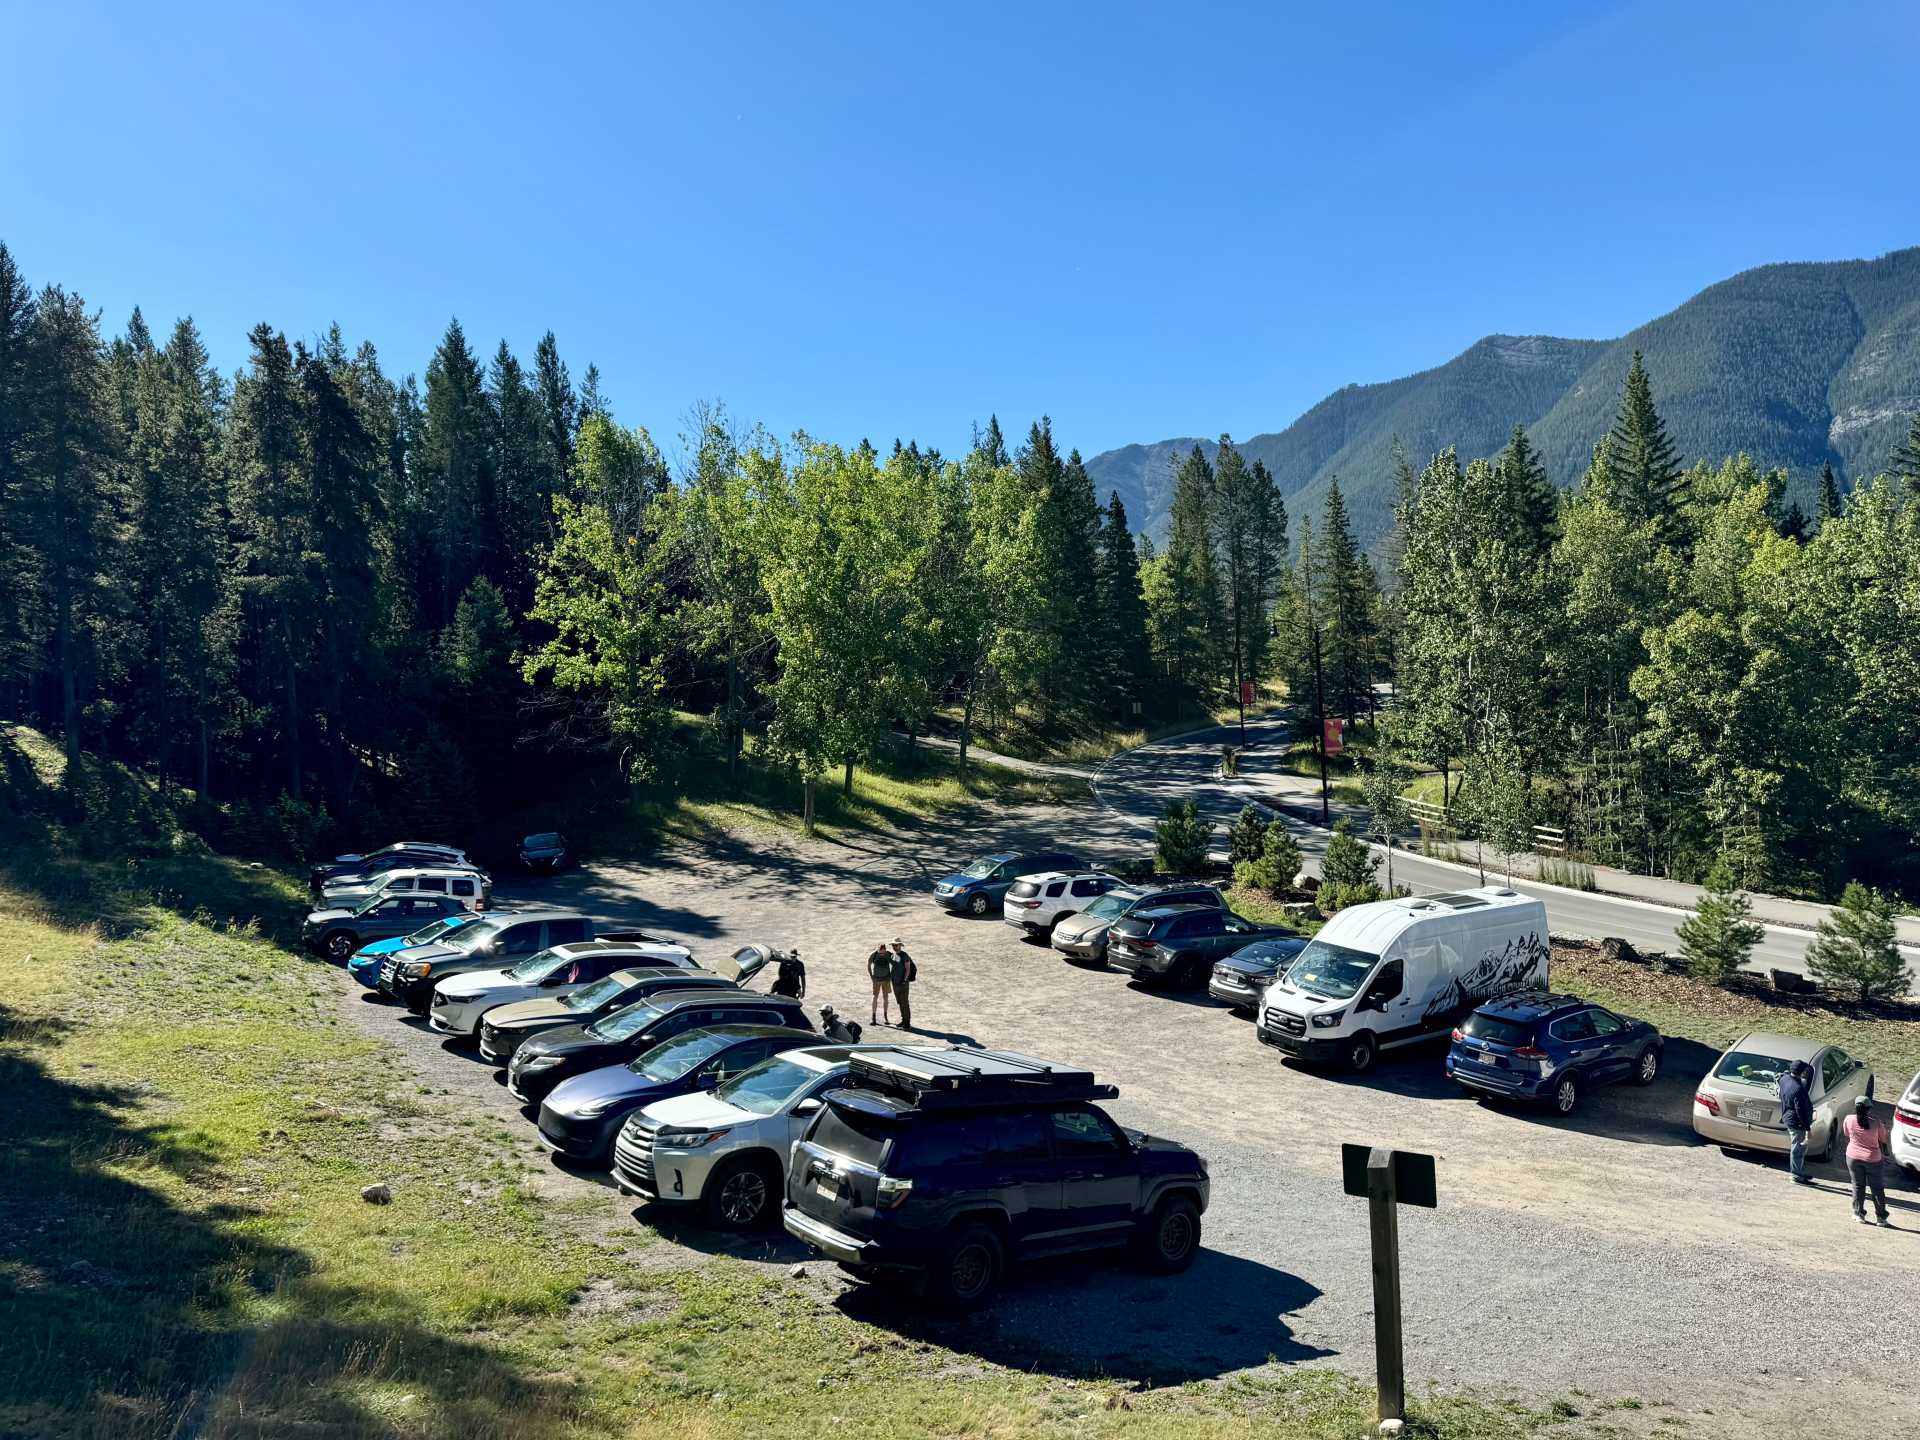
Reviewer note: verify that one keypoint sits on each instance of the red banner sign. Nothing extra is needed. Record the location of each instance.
(1246, 692)
(1332, 737)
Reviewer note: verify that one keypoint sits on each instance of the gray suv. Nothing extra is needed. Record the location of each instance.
(1082, 938)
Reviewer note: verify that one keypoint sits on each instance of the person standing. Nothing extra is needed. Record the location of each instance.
(880, 971)
(1867, 1142)
(1796, 1113)
(905, 972)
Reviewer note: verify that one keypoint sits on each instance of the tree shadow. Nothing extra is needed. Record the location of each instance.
(1094, 1317)
(131, 1315)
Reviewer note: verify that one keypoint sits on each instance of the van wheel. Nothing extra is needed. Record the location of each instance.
(977, 905)
(1566, 1095)
(1648, 1069)
(742, 1196)
(1362, 1051)
(1170, 1237)
(968, 1269)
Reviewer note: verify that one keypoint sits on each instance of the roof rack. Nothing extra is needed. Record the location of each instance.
(967, 1078)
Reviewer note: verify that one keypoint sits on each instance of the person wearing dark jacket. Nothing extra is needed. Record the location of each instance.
(905, 972)
(1796, 1113)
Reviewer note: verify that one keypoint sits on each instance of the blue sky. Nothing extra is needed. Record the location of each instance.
(891, 220)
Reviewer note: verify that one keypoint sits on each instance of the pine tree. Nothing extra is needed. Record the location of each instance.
(18, 576)
(1345, 611)
(591, 402)
(456, 470)
(526, 476)
(1180, 840)
(1531, 493)
(991, 444)
(1829, 501)
(1642, 465)
(1857, 947)
(1067, 529)
(1121, 614)
(1793, 525)
(1249, 534)
(1717, 938)
(1192, 623)
(558, 418)
(1905, 462)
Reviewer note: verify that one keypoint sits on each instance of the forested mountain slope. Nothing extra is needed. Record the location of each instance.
(1797, 365)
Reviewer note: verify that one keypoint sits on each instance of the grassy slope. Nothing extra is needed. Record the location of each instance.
(1020, 735)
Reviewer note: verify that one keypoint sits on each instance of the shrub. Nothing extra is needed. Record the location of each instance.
(1274, 869)
(1857, 948)
(1348, 862)
(1248, 838)
(1719, 936)
(1180, 839)
(1334, 897)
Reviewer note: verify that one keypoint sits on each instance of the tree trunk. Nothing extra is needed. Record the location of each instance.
(1389, 863)
(966, 725)
(69, 684)
(1444, 801)
(846, 784)
(733, 716)
(293, 710)
(806, 805)
(201, 758)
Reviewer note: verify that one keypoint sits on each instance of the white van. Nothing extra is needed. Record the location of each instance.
(1400, 971)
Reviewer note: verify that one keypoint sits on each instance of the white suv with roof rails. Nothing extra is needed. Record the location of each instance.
(468, 884)
(1036, 903)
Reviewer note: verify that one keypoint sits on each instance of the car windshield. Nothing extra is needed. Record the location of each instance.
(671, 1059)
(549, 841)
(369, 905)
(535, 968)
(627, 1020)
(435, 930)
(767, 1086)
(468, 936)
(593, 996)
(1333, 972)
(1747, 1067)
(1106, 907)
(981, 869)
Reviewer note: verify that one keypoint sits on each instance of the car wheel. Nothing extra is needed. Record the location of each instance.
(1170, 1237)
(1362, 1051)
(340, 945)
(968, 1270)
(1648, 1069)
(741, 1197)
(1826, 1150)
(1566, 1095)
(977, 905)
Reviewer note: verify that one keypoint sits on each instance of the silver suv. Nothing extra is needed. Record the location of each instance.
(1083, 937)
(726, 1150)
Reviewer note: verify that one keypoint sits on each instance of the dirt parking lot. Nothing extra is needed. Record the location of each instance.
(1610, 1254)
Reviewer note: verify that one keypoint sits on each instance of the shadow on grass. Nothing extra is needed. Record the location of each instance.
(128, 1315)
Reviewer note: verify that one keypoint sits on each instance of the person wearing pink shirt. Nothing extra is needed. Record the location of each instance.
(1867, 1142)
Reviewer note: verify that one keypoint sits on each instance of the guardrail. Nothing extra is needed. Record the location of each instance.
(1547, 839)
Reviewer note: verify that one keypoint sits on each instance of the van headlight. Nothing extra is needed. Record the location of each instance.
(1329, 1020)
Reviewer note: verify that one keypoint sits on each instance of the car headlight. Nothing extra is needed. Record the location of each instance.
(417, 970)
(538, 1062)
(1329, 1020)
(686, 1139)
(594, 1109)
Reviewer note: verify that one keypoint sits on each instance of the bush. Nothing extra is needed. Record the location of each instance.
(1248, 838)
(1348, 862)
(1274, 869)
(1335, 897)
(1857, 948)
(302, 827)
(1180, 840)
(1718, 937)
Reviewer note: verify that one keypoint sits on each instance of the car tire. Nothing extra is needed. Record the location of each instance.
(977, 905)
(1362, 1052)
(1646, 1069)
(743, 1195)
(1566, 1095)
(968, 1269)
(1170, 1237)
(1826, 1150)
(339, 945)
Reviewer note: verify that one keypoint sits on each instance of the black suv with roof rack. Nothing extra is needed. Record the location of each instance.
(938, 1167)
(1177, 944)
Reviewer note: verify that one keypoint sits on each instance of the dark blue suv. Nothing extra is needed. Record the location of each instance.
(1546, 1048)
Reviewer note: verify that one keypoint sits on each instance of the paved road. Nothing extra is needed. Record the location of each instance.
(1135, 788)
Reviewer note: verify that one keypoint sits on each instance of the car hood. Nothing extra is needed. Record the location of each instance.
(615, 1081)
(957, 881)
(1258, 967)
(529, 1012)
(543, 850)
(698, 1110)
(1079, 927)
(436, 951)
(475, 982)
(383, 947)
(567, 1040)
(327, 917)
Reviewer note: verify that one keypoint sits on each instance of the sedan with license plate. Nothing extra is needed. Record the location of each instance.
(506, 1027)
(1737, 1103)
(1242, 978)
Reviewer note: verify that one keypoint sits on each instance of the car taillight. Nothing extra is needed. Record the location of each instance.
(1707, 1103)
(1458, 1034)
(1904, 1117)
(891, 1192)
(1529, 1052)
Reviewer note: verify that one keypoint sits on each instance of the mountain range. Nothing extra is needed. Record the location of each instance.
(1796, 365)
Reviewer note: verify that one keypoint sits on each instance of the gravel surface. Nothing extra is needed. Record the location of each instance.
(1610, 1253)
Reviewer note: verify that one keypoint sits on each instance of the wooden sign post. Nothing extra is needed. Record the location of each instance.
(1387, 1179)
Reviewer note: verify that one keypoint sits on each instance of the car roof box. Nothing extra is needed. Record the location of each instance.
(964, 1077)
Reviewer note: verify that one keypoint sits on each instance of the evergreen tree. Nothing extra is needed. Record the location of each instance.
(1643, 467)
(1717, 938)
(559, 421)
(1191, 625)
(591, 402)
(1067, 528)
(1829, 502)
(1793, 524)
(1247, 840)
(991, 444)
(1531, 493)
(525, 474)
(1121, 613)
(1180, 840)
(1344, 610)
(1905, 462)
(18, 567)
(1857, 948)
(456, 470)
(1249, 534)
(1348, 863)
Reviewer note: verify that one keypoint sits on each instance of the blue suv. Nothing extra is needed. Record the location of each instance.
(1546, 1048)
(982, 885)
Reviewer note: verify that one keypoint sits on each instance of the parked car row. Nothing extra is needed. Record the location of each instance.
(932, 1166)
(1470, 968)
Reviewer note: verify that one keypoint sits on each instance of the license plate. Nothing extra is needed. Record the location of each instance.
(1755, 1114)
(1490, 1060)
(826, 1189)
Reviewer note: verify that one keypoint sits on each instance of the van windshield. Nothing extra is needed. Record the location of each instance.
(1331, 972)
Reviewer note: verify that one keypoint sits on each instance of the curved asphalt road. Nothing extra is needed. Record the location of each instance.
(1136, 786)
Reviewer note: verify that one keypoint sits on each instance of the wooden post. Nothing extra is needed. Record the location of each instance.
(1389, 1358)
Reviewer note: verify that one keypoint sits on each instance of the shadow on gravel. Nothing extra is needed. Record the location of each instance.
(1090, 1318)
(684, 1226)
(1657, 1114)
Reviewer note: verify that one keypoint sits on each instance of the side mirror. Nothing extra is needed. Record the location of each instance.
(707, 1081)
(807, 1106)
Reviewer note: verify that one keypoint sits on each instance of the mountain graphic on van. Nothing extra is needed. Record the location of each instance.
(1519, 964)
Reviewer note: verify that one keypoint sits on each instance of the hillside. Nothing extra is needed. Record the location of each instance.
(1798, 365)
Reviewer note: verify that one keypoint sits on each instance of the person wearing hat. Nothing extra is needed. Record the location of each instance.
(905, 972)
(1796, 1113)
(1867, 1142)
(880, 971)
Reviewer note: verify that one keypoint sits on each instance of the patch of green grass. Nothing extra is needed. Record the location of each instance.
(183, 1249)
(1022, 736)
(1258, 905)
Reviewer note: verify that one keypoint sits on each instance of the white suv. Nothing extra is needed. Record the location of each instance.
(468, 884)
(1037, 903)
(459, 1001)
(1905, 1149)
(726, 1149)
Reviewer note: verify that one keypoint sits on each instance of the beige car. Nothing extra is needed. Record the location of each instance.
(1738, 1102)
